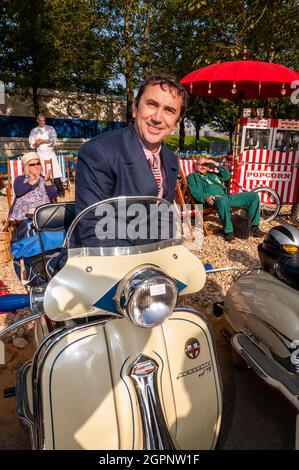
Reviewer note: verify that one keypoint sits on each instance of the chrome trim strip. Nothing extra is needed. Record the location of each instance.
(123, 250)
(143, 373)
(22, 405)
(21, 322)
(38, 435)
(37, 366)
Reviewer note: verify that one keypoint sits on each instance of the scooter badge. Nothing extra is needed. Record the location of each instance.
(192, 348)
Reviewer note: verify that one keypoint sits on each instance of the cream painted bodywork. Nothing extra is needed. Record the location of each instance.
(266, 309)
(89, 401)
(83, 280)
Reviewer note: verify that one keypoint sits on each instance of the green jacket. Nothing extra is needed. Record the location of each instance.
(202, 186)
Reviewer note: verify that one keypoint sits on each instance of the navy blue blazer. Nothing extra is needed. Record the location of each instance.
(114, 164)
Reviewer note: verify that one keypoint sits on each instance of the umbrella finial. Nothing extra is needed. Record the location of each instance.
(234, 88)
(210, 88)
(191, 87)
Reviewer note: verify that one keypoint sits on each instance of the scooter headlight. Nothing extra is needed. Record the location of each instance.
(147, 296)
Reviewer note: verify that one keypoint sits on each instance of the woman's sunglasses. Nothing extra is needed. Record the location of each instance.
(34, 164)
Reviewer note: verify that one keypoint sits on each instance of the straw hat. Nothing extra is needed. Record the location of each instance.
(27, 157)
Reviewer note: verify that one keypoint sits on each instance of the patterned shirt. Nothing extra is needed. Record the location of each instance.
(155, 164)
(45, 133)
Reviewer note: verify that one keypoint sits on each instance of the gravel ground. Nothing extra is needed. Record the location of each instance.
(216, 251)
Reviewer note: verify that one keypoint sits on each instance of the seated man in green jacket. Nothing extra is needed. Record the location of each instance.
(208, 188)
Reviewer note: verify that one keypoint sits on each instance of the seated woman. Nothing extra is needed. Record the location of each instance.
(32, 189)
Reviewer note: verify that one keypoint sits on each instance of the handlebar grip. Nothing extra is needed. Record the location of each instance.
(14, 302)
(208, 267)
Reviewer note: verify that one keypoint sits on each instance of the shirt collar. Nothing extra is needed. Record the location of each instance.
(147, 151)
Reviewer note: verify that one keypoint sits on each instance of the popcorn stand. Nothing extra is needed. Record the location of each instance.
(267, 161)
(266, 150)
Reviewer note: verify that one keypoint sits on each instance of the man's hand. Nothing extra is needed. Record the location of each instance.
(37, 142)
(48, 178)
(210, 200)
(212, 162)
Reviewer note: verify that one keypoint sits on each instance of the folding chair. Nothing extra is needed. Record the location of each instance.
(183, 196)
(46, 166)
(71, 163)
(14, 169)
(63, 164)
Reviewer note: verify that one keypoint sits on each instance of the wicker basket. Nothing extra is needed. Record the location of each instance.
(5, 239)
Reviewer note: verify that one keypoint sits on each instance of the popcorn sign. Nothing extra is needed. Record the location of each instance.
(268, 175)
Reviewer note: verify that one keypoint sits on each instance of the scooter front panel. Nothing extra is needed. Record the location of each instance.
(195, 379)
(77, 393)
(89, 399)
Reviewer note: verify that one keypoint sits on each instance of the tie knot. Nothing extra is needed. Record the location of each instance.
(154, 161)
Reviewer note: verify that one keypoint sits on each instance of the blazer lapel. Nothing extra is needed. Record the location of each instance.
(135, 159)
(170, 165)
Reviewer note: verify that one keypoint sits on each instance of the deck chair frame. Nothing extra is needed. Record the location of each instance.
(11, 178)
(184, 197)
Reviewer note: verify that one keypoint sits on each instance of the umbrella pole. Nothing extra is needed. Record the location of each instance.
(238, 126)
(237, 139)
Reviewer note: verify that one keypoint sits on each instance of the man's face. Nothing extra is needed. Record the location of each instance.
(157, 114)
(201, 166)
(41, 121)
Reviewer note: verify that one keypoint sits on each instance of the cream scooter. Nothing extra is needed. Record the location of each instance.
(118, 364)
(262, 313)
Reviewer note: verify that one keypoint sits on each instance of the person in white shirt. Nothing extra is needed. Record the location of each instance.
(42, 139)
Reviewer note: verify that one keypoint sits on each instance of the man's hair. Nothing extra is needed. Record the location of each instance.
(40, 115)
(162, 80)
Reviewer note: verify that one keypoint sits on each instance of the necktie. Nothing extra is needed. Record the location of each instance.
(155, 167)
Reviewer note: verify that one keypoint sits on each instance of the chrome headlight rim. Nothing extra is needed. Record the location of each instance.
(134, 280)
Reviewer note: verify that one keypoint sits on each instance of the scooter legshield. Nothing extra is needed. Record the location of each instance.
(266, 310)
(88, 397)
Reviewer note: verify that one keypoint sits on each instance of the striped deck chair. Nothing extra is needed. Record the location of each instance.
(47, 166)
(71, 165)
(63, 164)
(14, 169)
(183, 196)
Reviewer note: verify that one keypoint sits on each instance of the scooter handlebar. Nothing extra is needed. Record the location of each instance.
(12, 302)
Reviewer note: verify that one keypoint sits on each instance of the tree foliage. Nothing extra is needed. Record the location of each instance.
(109, 46)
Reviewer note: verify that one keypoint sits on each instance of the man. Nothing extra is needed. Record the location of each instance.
(43, 139)
(208, 188)
(133, 161)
